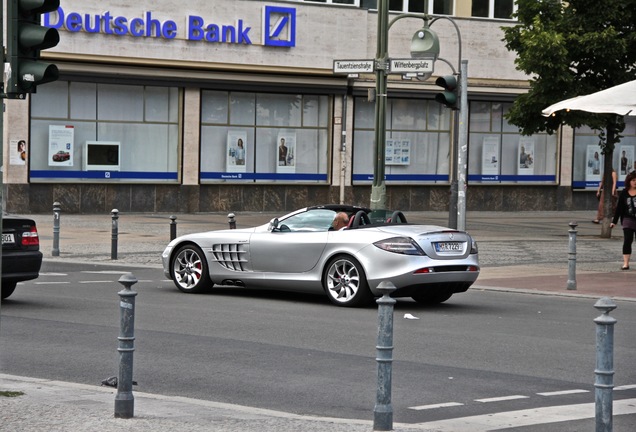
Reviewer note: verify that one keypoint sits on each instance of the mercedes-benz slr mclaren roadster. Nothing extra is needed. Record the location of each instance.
(302, 252)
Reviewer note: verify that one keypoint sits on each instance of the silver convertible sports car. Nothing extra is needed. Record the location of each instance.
(301, 252)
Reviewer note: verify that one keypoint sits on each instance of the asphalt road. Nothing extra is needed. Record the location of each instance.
(480, 353)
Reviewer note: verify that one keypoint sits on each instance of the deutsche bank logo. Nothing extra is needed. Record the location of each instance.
(279, 26)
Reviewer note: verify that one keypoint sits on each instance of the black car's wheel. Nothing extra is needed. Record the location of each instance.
(189, 269)
(431, 298)
(7, 289)
(345, 282)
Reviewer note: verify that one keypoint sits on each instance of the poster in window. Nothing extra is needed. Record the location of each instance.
(18, 152)
(526, 156)
(236, 151)
(61, 145)
(626, 161)
(286, 161)
(397, 152)
(593, 163)
(490, 156)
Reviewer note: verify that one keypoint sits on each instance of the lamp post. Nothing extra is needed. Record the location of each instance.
(423, 45)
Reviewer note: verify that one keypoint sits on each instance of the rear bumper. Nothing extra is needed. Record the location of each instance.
(21, 266)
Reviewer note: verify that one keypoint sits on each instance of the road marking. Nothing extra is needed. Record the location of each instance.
(563, 392)
(50, 283)
(625, 387)
(119, 272)
(53, 274)
(528, 417)
(90, 282)
(441, 405)
(503, 398)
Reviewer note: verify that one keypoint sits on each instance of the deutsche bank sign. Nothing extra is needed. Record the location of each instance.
(278, 26)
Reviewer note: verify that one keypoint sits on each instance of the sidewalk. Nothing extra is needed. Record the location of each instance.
(526, 253)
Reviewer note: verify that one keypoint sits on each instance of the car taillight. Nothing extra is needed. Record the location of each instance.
(400, 245)
(31, 238)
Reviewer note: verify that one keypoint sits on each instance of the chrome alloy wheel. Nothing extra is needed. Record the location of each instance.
(190, 270)
(345, 282)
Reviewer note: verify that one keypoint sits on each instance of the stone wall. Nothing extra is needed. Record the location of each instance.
(135, 198)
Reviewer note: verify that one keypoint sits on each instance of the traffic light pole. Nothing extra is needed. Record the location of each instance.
(462, 150)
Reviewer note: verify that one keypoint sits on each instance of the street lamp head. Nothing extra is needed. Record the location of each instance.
(425, 44)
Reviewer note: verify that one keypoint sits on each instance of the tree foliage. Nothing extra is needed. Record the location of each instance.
(572, 48)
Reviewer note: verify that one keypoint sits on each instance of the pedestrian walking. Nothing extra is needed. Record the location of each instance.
(626, 211)
(599, 195)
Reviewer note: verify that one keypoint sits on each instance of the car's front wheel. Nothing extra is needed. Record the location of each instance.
(345, 282)
(7, 289)
(189, 269)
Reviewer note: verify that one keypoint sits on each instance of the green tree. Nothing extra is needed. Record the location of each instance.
(572, 48)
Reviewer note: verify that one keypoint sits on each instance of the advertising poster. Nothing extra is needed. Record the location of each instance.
(17, 152)
(526, 156)
(236, 151)
(61, 145)
(397, 152)
(593, 164)
(626, 161)
(286, 160)
(490, 156)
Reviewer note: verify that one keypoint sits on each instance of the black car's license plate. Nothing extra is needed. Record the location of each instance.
(448, 247)
(7, 238)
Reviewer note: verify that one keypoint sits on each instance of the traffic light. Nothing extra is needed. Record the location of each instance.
(449, 96)
(26, 37)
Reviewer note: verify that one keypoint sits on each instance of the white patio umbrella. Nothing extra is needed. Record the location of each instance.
(620, 99)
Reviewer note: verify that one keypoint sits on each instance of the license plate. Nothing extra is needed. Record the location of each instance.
(7, 238)
(448, 247)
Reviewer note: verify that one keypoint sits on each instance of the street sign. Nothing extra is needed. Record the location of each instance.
(353, 66)
(410, 65)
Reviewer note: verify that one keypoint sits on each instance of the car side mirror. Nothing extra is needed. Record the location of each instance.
(273, 224)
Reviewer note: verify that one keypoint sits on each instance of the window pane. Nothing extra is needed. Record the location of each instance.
(396, 5)
(503, 8)
(120, 102)
(242, 108)
(157, 104)
(480, 8)
(480, 116)
(51, 102)
(416, 6)
(214, 107)
(408, 114)
(315, 111)
(443, 7)
(83, 100)
(278, 110)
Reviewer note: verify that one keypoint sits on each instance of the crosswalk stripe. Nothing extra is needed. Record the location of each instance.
(502, 398)
(440, 405)
(563, 392)
(528, 417)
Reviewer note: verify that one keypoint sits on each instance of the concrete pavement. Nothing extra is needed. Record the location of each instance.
(525, 253)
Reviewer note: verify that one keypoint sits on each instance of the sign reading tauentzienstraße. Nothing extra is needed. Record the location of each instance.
(353, 66)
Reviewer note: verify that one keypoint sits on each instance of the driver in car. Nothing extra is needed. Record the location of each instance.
(340, 221)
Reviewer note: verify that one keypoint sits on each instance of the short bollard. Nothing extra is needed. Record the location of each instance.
(604, 372)
(124, 400)
(173, 227)
(572, 256)
(383, 410)
(56, 229)
(113, 237)
(231, 220)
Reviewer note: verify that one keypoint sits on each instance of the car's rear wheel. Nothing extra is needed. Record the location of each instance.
(431, 298)
(7, 289)
(345, 282)
(189, 269)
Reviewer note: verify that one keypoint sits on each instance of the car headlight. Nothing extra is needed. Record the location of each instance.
(400, 245)
(473, 246)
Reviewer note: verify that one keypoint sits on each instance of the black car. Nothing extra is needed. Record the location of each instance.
(21, 256)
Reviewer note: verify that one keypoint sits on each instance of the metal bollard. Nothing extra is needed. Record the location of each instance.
(113, 238)
(231, 220)
(383, 410)
(56, 229)
(124, 400)
(173, 227)
(604, 372)
(572, 256)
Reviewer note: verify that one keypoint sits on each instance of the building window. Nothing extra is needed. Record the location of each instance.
(498, 153)
(587, 170)
(264, 137)
(502, 9)
(84, 132)
(417, 141)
